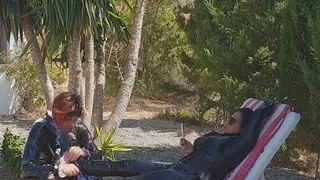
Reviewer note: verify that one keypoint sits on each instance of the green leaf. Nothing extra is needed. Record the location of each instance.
(116, 145)
(108, 137)
(99, 134)
(121, 149)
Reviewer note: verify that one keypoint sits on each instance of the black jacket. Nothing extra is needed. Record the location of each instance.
(215, 155)
(46, 142)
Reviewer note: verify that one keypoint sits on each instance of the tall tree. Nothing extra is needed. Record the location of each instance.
(234, 45)
(300, 61)
(163, 46)
(75, 64)
(97, 112)
(69, 21)
(89, 80)
(125, 91)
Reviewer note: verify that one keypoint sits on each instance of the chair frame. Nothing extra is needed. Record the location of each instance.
(257, 171)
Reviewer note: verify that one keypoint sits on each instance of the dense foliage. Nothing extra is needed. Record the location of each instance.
(23, 72)
(262, 49)
(234, 50)
(12, 146)
(163, 47)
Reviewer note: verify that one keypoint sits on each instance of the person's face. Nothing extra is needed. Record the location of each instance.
(69, 123)
(233, 124)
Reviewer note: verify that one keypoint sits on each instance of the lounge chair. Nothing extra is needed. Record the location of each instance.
(276, 128)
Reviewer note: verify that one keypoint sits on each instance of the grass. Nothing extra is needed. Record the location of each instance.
(183, 116)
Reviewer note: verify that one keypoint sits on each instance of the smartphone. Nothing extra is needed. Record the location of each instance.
(182, 132)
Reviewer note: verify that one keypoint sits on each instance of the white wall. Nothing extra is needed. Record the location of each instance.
(8, 99)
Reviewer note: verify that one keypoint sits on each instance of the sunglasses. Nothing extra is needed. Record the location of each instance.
(232, 120)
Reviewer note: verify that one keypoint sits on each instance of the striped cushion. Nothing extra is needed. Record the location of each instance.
(270, 126)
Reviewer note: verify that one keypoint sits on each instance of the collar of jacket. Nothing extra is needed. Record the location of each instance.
(58, 131)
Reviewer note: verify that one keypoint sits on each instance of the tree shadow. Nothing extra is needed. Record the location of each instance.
(151, 154)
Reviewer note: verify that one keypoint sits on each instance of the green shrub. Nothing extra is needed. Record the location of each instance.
(183, 116)
(12, 147)
(23, 72)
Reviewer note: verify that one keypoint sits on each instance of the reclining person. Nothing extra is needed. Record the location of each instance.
(211, 156)
(51, 136)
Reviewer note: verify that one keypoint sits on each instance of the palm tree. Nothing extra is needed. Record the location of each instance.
(67, 22)
(19, 18)
(89, 74)
(125, 91)
(97, 112)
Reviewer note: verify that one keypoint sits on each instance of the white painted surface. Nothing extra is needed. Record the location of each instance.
(8, 99)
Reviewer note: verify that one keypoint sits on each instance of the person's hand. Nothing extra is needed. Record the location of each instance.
(64, 158)
(186, 146)
(51, 176)
(68, 170)
(74, 153)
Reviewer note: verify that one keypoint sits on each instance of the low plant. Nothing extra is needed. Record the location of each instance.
(12, 147)
(107, 147)
(182, 116)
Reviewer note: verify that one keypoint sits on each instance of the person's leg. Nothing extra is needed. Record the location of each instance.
(167, 174)
(119, 168)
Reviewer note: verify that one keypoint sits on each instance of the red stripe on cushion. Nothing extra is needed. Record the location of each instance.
(262, 142)
(253, 105)
(247, 102)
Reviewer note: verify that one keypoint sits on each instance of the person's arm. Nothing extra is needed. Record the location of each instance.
(86, 142)
(213, 133)
(249, 134)
(29, 168)
(187, 147)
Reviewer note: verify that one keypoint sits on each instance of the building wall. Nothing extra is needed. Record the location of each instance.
(8, 99)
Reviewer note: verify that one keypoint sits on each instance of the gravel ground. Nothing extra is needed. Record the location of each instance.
(152, 140)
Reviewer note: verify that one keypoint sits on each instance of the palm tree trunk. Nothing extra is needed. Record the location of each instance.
(89, 85)
(130, 70)
(45, 82)
(75, 67)
(97, 112)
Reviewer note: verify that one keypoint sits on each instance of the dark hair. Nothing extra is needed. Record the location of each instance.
(246, 115)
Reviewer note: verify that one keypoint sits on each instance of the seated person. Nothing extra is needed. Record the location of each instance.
(212, 155)
(51, 136)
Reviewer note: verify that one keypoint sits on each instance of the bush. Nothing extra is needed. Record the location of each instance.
(12, 147)
(295, 154)
(183, 116)
(23, 72)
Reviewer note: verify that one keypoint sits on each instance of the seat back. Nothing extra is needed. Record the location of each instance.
(259, 156)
